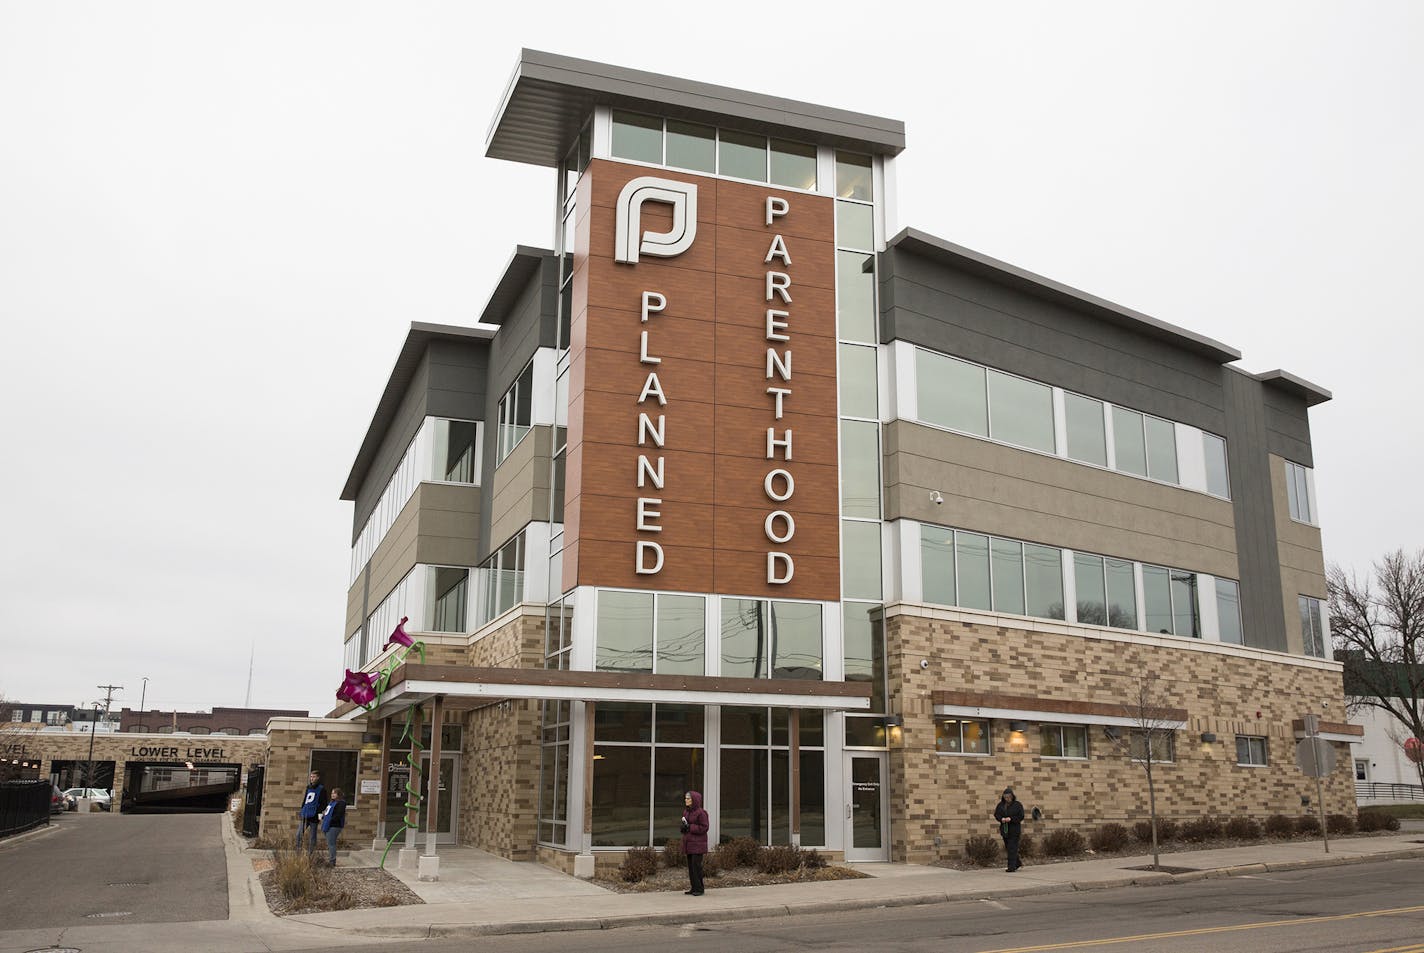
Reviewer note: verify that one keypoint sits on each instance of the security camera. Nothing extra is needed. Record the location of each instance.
(924, 663)
(936, 497)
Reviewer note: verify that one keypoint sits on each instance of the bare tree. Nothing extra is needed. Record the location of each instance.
(1378, 627)
(1150, 739)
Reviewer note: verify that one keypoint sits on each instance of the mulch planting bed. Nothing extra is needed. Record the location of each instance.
(341, 888)
(675, 878)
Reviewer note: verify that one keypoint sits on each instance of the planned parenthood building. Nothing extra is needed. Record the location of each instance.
(742, 487)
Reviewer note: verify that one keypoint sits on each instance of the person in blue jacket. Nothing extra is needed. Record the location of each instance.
(333, 820)
(313, 803)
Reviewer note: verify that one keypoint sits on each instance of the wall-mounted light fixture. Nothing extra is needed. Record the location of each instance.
(1208, 738)
(936, 497)
(1112, 732)
(894, 726)
(1018, 726)
(894, 721)
(1017, 741)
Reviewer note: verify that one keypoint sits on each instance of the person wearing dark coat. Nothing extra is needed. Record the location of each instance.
(694, 839)
(333, 822)
(309, 814)
(1009, 815)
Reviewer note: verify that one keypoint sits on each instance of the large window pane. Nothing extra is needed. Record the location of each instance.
(858, 385)
(951, 393)
(623, 721)
(1161, 450)
(1075, 741)
(796, 639)
(742, 156)
(1122, 594)
(675, 772)
(637, 137)
(855, 296)
(1087, 439)
(864, 650)
(855, 226)
(621, 796)
(745, 641)
(1091, 595)
(1128, 442)
(691, 146)
(793, 164)
(813, 798)
(853, 178)
(680, 724)
(1217, 480)
(1228, 610)
(1185, 617)
(972, 570)
(937, 564)
(744, 725)
(860, 560)
(1043, 571)
(625, 631)
(681, 633)
(744, 794)
(1020, 412)
(451, 593)
(860, 469)
(1157, 590)
(1008, 576)
(455, 451)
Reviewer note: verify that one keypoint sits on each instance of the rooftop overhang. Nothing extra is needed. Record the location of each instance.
(466, 687)
(549, 97)
(1312, 394)
(1332, 731)
(966, 259)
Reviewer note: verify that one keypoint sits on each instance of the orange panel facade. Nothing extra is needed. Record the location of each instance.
(702, 427)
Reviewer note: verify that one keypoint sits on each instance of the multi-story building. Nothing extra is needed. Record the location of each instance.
(219, 721)
(743, 488)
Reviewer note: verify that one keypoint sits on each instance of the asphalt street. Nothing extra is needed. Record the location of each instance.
(1365, 908)
(115, 868)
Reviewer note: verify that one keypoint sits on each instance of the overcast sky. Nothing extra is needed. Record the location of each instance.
(217, 222)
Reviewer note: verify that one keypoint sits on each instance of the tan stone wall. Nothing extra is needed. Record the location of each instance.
(1224, 691)
(292, 742)
(499, 789)
(520, 492)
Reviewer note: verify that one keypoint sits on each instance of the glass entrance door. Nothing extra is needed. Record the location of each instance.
(449, 796)
(867, 821)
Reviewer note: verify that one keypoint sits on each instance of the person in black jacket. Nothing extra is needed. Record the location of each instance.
(309, 814)
(1009, 815)
(333, 821)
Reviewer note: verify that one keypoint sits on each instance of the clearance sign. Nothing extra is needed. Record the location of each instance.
(702, 404)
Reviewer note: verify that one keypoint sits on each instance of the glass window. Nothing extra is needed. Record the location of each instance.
(637, 137)
(1122, 594)
(744, 638)
(679, 724)
(1091, 596)
(853, 178)
(793, 164)
(1228, 610)
(1043, 574)
(515, 412)
(860, 560)
(455, 448)
(855, 227)
(1160, 743)
(1312, 627)
(622, 794)
(796, 639)
(1298, 493)
(1128, 443)
(1063, 741)
(1008, 569)
(1087, 437)
(681, 634)
(961, 736)
(1157, 590)
(742, 156)
(972, 570)
(1185, 615)
(858, 384)
(937, 564)
(1021, 412)
(1161, 449)
(855, 296)
(860, 468)
(451, 597)
(337, 769)
(691, 146)
(951, 393)
(625, 631)
(1218, 482)
(623, 721)
(864, 641)
(1251, 750)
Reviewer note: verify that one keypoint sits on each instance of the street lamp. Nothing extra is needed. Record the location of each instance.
(142, 695)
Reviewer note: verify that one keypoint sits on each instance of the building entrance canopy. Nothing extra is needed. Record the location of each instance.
(466, 686)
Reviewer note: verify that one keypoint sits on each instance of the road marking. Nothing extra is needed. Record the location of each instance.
(1408, 948)
(1209, 930)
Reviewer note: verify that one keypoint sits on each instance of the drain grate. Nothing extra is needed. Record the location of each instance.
(100, 916)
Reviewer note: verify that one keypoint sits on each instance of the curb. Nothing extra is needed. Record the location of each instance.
(1145, 879)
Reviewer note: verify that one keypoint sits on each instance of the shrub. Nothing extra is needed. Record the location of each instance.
(1109, 839)
(1307, 824)
(1340, 824)
(295, 874)
(1028, 847)
(813, 860)
(1243, 828)
(739, 852)
(711, 865)
(1278, 825)
(1064, 842)
(638, 863)
(1166, 830)
(672, 853)
(1201, 829)
(981, 850)
(1371, 821)
(781, 859)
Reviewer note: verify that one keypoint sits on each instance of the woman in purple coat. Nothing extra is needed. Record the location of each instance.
(694, 839)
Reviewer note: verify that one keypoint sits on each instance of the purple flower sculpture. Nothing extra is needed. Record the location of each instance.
(398, 637)
(359, 688)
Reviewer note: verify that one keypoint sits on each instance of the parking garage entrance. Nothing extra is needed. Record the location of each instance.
(82, 773)
(159, 787)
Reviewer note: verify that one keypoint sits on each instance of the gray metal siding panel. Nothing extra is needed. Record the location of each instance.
(457, 380)
(1287, 426)
(393, 444)
(1256, 544)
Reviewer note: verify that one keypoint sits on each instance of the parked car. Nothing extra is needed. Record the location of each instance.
(59, 802)
(99, 796)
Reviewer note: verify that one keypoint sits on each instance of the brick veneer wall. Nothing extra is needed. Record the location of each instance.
(48, 747)
(937, 800)
(292, 742)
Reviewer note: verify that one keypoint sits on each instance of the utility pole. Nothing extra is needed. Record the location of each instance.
(143, 695)
(94, 726)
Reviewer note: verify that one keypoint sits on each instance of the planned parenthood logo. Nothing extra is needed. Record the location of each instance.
(629, 237)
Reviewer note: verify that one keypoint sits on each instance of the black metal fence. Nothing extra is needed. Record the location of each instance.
(1386, 791)
(252, 801)
(23, 805)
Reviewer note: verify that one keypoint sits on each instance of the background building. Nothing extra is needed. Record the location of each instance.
(744, 488)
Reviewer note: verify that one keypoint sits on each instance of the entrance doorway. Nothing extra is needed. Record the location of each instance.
(867, 836)
(449, 798)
